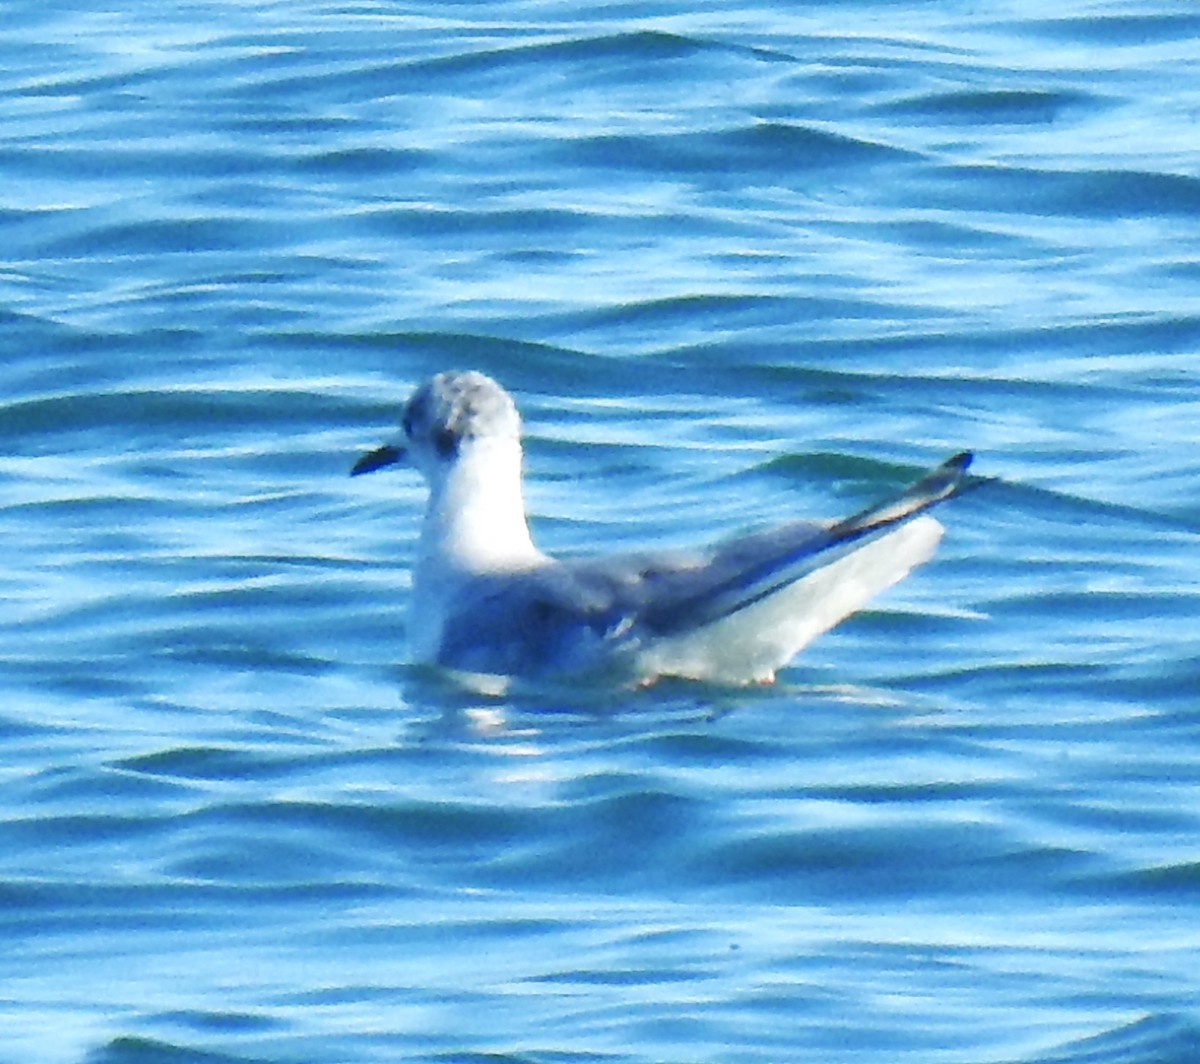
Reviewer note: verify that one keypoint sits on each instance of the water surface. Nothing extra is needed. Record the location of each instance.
(739, 264)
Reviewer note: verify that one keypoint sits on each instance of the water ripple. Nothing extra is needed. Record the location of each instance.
(738, 268)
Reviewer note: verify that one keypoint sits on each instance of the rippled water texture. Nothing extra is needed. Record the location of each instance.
(739, 264)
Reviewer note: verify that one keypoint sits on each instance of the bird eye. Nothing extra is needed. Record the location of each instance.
(406, 423)
(445, 442)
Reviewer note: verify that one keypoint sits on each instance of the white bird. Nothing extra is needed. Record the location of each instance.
(489, 606)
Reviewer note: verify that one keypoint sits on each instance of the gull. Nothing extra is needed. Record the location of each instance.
(492, 609)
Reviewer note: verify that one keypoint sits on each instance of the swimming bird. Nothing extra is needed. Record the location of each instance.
(489, 606)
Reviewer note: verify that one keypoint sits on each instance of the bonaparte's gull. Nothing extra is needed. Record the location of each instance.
(487, 603)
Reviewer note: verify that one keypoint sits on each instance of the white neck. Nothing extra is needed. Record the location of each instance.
(476, 514)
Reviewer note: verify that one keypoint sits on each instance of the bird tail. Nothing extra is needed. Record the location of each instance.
(745, 577)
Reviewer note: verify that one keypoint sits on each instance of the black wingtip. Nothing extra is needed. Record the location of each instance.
(945, 480)
(966, 482)
(939, 484)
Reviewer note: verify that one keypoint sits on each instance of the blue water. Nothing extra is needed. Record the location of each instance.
(740, 263)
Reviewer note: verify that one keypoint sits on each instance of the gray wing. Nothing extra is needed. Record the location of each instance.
(751, 568)
(555, 620)
(571, 617)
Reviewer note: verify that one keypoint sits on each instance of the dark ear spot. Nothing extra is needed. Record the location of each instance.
(445, 442)
(406, 423)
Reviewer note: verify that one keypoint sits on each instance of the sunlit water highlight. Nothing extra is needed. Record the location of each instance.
(739, 264)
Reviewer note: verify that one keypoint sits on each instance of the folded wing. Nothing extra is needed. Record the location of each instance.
(735, 612)
(756, 566)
